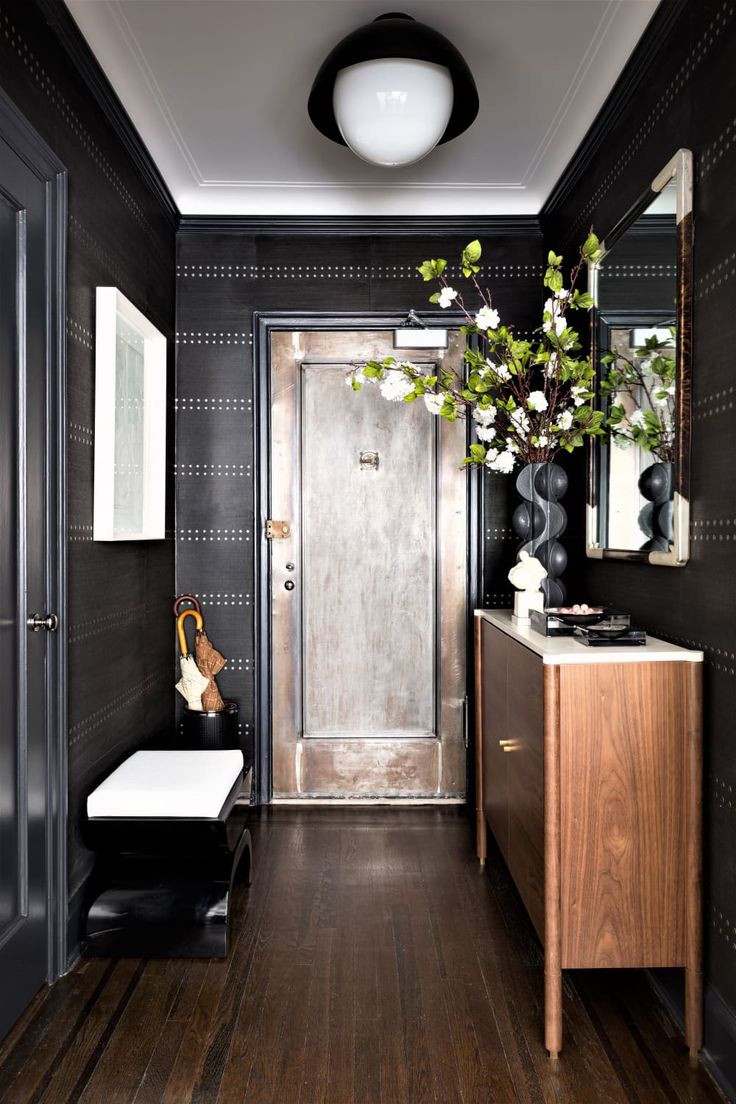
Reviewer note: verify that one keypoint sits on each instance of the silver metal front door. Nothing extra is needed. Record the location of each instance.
(368, 584)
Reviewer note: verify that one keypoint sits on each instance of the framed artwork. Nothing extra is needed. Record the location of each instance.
(130, 422)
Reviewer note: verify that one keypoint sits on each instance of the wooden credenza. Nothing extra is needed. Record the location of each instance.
(589, 775)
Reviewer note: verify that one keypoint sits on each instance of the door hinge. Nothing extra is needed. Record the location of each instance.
(277, 530)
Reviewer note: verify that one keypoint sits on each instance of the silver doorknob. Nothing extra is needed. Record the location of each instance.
(38, 621)
(289, 584)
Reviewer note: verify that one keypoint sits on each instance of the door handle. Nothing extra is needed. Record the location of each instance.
(47, 621)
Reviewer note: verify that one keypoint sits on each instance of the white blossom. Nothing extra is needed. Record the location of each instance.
(503, 463)
(395, 386)
(512, 445)
(552, 365)
(520, 422)
(447, 295)
(542, 440)
(577, 393)
(555, 321)
(484, 415)
(500, 371)
(485, 433)
(358, 375)
(564, 419)
(563, 293)
(487, 318)
(433, 403)
(637, 420)
(537, 400)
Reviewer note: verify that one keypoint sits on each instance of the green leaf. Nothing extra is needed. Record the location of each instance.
(435, 298)
(471, 252)
(591, 248)
(431, 270)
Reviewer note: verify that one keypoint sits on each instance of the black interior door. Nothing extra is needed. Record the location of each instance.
(24, 753)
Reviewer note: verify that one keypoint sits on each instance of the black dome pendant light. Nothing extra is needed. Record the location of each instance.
(392, 90)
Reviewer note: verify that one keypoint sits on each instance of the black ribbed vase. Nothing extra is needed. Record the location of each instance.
(538, 522)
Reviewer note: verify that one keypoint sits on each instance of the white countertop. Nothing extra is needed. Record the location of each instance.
(566, 649)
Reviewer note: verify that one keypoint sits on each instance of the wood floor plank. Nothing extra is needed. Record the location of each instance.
(85, 1041)
(370, 963)
(122, 1063)
(46, 1028)
(478, 1047)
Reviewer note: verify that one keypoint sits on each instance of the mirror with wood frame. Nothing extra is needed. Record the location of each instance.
(638, 475)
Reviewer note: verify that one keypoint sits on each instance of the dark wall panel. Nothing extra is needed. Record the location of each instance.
(687, 97)
(222, 279)
(119, 623)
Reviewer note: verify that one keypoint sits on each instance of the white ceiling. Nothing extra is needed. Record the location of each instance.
(218, 91)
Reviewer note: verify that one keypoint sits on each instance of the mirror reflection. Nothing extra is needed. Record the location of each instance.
(635, 474)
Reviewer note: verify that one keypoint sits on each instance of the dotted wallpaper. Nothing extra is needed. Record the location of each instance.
(222, 279)
(121, 658)
(687, 98)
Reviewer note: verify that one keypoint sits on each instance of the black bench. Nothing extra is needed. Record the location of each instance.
(162, 884)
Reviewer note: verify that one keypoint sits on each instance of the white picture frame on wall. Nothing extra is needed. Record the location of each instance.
(130, 422)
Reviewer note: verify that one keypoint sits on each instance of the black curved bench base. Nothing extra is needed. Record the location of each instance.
(174, 899)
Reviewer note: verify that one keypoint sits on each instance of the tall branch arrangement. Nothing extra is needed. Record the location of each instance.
(527, 399)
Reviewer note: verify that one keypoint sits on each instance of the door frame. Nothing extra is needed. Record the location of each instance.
(264, 324)
(23, 139)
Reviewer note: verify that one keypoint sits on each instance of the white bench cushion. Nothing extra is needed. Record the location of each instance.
(167, 784)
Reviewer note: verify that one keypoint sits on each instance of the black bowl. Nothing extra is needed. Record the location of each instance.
(578, 618)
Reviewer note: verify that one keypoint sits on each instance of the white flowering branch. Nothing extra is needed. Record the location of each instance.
(528, 399)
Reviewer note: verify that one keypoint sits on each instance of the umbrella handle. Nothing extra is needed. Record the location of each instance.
(183, 646)
(186, 598)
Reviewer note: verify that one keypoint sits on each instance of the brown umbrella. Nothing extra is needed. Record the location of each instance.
(192, 683)
(209, 662)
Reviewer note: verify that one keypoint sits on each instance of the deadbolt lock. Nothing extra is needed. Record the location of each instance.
(277, 530)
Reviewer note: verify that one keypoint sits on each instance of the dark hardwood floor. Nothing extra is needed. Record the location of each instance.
(373, 962)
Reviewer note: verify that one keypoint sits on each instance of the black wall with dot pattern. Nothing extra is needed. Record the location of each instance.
(223, 277)
(686, 97)
(119, 622)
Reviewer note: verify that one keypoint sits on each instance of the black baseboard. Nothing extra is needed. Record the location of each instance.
(719, 1052)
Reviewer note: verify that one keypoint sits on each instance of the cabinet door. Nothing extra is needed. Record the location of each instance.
(494, 651)
(525, 778)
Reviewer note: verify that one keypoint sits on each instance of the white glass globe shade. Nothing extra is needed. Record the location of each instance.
(393, 111)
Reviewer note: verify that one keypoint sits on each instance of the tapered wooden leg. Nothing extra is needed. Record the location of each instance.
(481, 837)
(553, 1011)
(693, 1010)
(481, 830)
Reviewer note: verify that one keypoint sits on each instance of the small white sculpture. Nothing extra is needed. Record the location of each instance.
(526, 576)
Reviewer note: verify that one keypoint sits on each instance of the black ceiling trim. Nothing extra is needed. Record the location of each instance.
(73, 42)
(357, 225)
(638, 66)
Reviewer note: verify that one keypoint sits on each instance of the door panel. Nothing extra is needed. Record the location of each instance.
(369, 587)
(525, 705)
(23, 735)
(368, 560)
